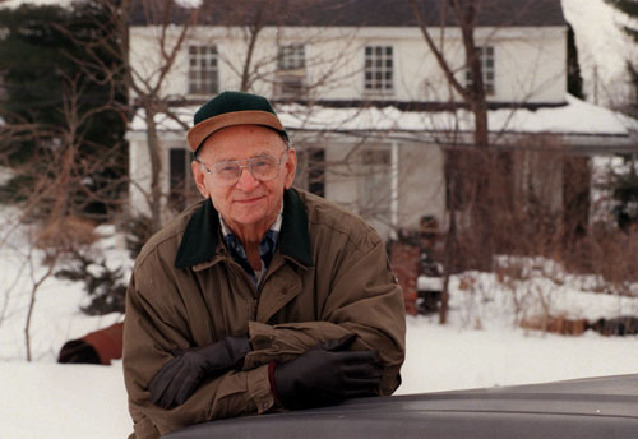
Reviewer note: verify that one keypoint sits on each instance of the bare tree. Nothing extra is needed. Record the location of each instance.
(473, 94)
(147, 86)
(471, 189)
(248, 34)
(63, 168)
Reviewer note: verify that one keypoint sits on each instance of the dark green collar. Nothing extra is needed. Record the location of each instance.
(199, 243)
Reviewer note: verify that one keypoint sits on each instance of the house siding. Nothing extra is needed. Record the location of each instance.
(530, 62)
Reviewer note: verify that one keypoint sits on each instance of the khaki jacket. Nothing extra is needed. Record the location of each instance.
(329, 277)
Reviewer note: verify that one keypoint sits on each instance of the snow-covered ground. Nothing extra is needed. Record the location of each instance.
(44, 400)
(481, 346)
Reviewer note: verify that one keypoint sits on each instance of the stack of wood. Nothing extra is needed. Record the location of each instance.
(559, 324)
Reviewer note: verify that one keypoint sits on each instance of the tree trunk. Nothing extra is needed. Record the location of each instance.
(484, 174)
(32, 302)
(481, 218)
(250, 50)
(156, 168)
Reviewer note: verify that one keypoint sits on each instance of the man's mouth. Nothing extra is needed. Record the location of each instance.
(249, 200)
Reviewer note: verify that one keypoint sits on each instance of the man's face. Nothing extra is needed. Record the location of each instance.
(249, 206)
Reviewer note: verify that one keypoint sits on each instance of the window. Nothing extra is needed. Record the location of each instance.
(182, 190)
(311, 170)
(376, 184)
(291, 71)
(202, 72)
(291, 57)
(317, 171)
(379, 70)
(486, 55)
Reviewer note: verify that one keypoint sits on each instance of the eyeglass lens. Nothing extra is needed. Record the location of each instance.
(263, 168)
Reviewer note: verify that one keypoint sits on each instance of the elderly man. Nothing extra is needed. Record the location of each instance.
(260, 297)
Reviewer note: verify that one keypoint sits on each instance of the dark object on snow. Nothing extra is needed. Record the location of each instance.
(78, 352)
(429, 285)
(99, 347)
(620, 326)
(585, 409)
(106, 287)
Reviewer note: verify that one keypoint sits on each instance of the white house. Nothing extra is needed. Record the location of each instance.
(364, 99)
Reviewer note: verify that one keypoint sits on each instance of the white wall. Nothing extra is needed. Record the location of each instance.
(530, 62)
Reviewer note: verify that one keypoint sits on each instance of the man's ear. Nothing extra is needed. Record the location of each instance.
(291, 167)
(198, 176)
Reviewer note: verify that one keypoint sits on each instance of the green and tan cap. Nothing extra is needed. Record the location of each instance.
(232, 108)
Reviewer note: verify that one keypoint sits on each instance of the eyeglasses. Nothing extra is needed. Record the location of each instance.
(262, 168)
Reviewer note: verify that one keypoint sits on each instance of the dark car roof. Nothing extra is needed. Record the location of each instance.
(596, 408)
(354, 13)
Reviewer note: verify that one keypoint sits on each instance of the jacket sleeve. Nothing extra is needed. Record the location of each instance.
(151, 331)
(363, 298)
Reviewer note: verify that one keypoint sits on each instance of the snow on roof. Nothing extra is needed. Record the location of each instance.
(576, 117)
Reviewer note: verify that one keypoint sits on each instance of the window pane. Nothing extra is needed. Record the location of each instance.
(379, 64)
(292, 57)
(202, 69)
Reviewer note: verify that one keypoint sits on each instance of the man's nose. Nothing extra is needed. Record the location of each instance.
(246, 180)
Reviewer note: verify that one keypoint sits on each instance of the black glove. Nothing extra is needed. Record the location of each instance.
(78, 351)
(180, 377)
(327, 376)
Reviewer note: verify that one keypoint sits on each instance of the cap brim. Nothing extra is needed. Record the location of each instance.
(202, 130)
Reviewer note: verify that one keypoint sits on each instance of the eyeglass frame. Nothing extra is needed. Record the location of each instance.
(245, 166)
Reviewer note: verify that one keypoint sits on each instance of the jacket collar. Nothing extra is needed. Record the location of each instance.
(199, 243)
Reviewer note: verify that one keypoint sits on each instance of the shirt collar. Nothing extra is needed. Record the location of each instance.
(200, 239)
(276, 226)
(267, 247)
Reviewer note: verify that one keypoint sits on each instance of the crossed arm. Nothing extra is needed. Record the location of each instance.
(246, 386)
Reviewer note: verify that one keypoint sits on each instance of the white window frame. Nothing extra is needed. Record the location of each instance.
(312, 169)
(291, 57)
(203, 69)
(378, 70)
(290, 79)
(185, 192)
